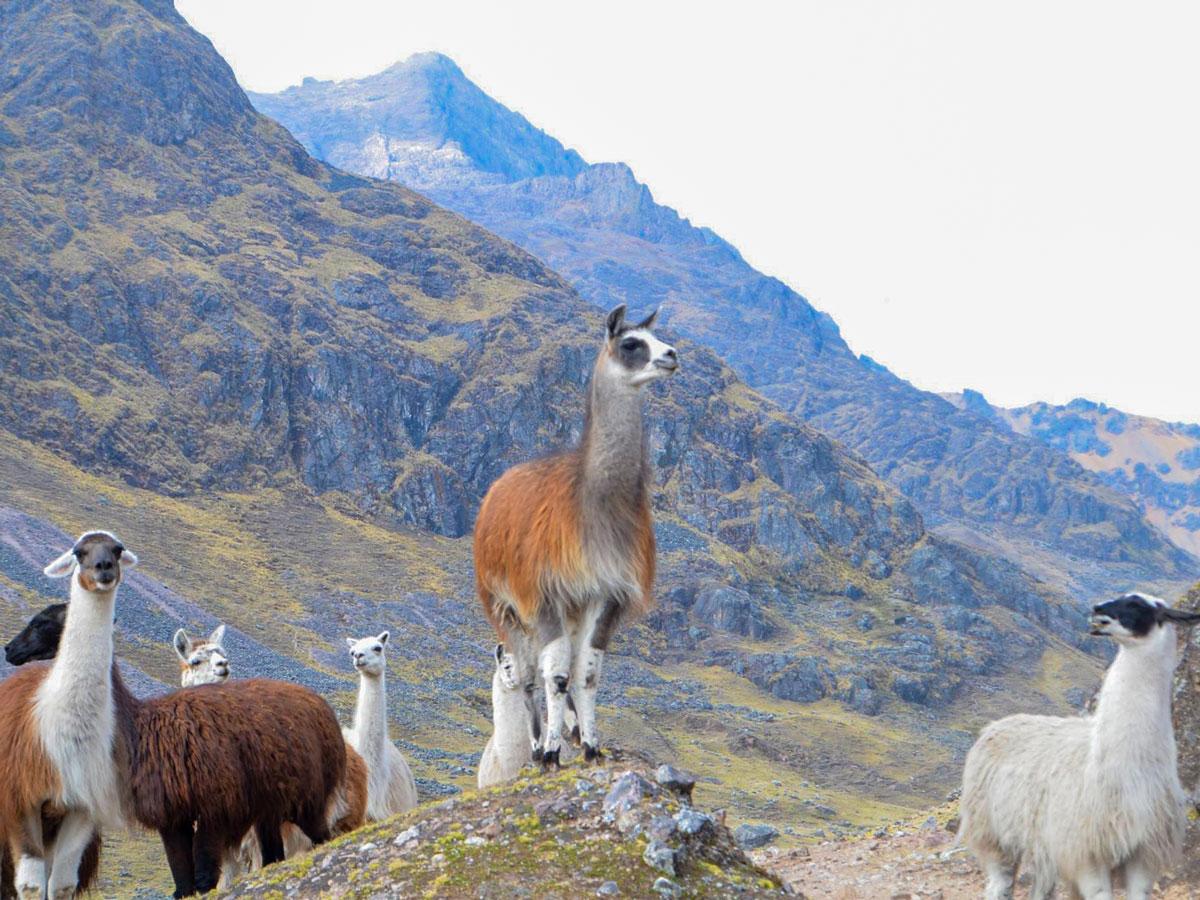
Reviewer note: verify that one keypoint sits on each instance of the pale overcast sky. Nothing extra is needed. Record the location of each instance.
(1004, 196)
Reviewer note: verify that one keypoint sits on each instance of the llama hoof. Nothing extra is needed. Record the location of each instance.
(592, 754)
(576, 739)
(550, 761)
(538, 754)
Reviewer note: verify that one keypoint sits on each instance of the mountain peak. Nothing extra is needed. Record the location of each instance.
(424, 101)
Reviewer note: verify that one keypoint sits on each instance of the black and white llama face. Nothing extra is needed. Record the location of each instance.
(1135, 617)
(367, 654)
(636, 356)
(99, 559)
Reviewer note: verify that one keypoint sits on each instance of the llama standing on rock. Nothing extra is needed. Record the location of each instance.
(390, 785)
(1082, 799)
(202, 662)
(60, 740)
(507, 749)
(564, 546)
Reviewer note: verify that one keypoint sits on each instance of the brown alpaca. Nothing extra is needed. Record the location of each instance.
(564, 546)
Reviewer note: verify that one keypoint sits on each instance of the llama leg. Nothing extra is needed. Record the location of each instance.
(271, 842)
(208, 849)
(597, 631)
(571, 718)
(29, 851)
(74, 835)
(1094, 885)
(1139, 881)
(533, 719)
(177, 842)
(555, 666)
(1000, 877)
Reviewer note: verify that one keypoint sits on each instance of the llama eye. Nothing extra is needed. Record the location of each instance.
(630, 344)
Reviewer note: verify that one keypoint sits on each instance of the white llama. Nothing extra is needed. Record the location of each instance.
(390, 785)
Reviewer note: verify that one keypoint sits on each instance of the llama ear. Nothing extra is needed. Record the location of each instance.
(648, 322)
(63, 566)
(616, 319)
(128, 558)
(218, 635)
(183, 644)
(382, 637)
(350, 642)
(499, 654)
(1182, 616)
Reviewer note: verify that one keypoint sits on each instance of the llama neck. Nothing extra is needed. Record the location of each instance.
(1133, 713)
(81, 669)
(614, 443)
(370, 718)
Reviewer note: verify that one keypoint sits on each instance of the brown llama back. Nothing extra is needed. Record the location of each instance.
(229, 755)
(529, 542)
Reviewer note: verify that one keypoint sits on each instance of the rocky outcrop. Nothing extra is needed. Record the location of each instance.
(639, 839)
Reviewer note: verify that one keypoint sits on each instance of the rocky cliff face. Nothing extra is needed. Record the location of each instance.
(600, 228)
(1155, 463)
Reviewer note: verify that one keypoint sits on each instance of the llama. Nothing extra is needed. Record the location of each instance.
(204, 661)
(390, 785)
(564, 546)
(61, 747)
(271, 753)
(507, 749)
(1082, 799)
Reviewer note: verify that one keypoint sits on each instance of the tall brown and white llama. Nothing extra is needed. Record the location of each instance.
(564, 546)
(202, 766)
(390, 785)
(60, 741)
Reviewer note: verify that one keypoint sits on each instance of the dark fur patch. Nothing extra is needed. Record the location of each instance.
(607, 624)
(632, 352)
(1136, 614)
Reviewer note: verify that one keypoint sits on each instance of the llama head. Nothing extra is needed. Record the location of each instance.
(204, 661)
(367, 654)
(1136, 618)
(506, 669)
(39, 639)
(632, 355)
(97, 561)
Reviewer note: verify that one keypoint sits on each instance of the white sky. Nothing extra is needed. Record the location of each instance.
(1004, 196)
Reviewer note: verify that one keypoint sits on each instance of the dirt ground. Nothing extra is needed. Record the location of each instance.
(922, 864)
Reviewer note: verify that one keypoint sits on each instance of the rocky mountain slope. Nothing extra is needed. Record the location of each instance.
(287, 387)
(1155, 463)
(424, 124)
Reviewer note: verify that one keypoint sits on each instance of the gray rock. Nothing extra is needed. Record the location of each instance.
(750, 837)
(660, 856)
(691, 821)
(666, 887)
(608, 889)
(675, 780)
(627, 792)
